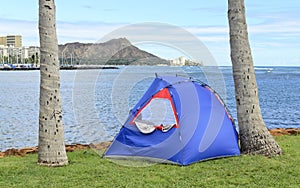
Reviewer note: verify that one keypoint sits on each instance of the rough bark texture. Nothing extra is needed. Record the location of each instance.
(254, 136)
(51, 134)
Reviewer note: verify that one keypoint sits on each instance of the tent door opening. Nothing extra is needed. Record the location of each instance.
(158, 114)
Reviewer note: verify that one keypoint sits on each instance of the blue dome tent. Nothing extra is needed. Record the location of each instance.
(179, 121)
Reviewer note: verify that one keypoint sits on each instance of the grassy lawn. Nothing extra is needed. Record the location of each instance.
(87, 169)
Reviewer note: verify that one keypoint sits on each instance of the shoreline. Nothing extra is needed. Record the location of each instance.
(69, 148)
(104, 145)
(61, 68)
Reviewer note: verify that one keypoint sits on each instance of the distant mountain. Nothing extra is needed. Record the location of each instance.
(113, 52)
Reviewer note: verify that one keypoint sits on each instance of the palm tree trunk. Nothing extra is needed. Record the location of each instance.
(51, 134)
(254, 136)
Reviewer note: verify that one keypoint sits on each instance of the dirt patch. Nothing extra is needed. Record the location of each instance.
(282, 131)
(103, 145)
(69, 148)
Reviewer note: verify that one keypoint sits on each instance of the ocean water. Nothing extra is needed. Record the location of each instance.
(96, 102)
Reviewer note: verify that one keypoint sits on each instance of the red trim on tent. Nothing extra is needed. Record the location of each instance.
(161, 127)
(163, 94)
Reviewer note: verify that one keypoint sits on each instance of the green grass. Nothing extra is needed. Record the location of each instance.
(87, 169)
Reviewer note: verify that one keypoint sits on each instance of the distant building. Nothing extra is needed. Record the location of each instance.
(182, 61)
(19, 55)
(3, 41)
(11, 41)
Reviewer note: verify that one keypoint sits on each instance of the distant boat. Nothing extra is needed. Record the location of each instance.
(264, 69)
(10, 66)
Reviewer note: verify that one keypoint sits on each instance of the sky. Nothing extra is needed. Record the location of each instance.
(273, 26)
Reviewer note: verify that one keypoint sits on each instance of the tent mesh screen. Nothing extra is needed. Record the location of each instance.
(158, 112)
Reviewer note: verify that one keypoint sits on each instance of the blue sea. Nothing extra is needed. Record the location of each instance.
(96, 102)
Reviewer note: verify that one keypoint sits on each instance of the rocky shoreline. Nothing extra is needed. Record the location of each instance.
(104, 145)
(69, 148)
(76, 67)
(285, 131)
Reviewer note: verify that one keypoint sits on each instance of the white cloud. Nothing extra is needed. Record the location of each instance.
(93, 31)
(83, 32)
(208, 30)
(267, 37)
(281, 27)
(28, 30)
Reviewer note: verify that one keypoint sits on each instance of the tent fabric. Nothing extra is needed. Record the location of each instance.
(204, 129)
